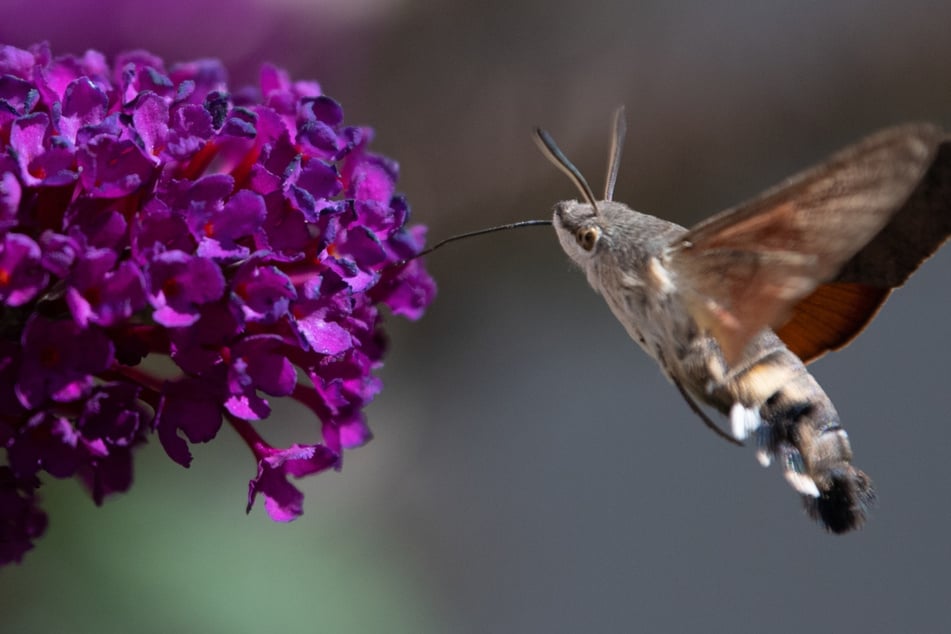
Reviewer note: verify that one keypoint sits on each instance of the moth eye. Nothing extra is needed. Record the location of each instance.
(587, 237)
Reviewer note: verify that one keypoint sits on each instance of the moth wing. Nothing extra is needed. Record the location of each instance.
(749, 267)
(835, 313)
(830, 317)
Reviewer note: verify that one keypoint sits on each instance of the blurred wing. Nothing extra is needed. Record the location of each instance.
(835, 313)
(750, 267)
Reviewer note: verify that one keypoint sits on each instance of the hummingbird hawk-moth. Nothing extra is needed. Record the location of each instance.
(733, 308)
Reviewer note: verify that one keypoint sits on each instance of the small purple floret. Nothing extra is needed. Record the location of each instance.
(179, 284)
(283, 501)
(21, 274)
(60, 360)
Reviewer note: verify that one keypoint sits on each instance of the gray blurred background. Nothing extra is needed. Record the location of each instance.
(532, 470)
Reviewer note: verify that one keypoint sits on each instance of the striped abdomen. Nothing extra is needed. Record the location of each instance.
(775, 400)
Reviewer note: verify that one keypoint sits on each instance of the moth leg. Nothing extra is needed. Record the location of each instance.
(703, 417)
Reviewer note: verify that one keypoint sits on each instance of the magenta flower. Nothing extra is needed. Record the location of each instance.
(251, 237)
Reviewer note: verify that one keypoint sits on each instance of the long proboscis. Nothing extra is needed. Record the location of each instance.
(472, 234)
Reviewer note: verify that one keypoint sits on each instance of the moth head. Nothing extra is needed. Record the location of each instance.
(582, 226)
(579, 228)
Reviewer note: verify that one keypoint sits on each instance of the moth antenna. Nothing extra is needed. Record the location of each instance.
(471, 234)
(618, 130)
(551, 151)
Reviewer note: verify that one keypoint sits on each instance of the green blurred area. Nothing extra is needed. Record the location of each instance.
(179, 554)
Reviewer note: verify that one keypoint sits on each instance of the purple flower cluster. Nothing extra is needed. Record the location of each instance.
(250, 237)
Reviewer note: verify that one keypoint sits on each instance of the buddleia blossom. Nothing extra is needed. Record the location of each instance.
(145, 211)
